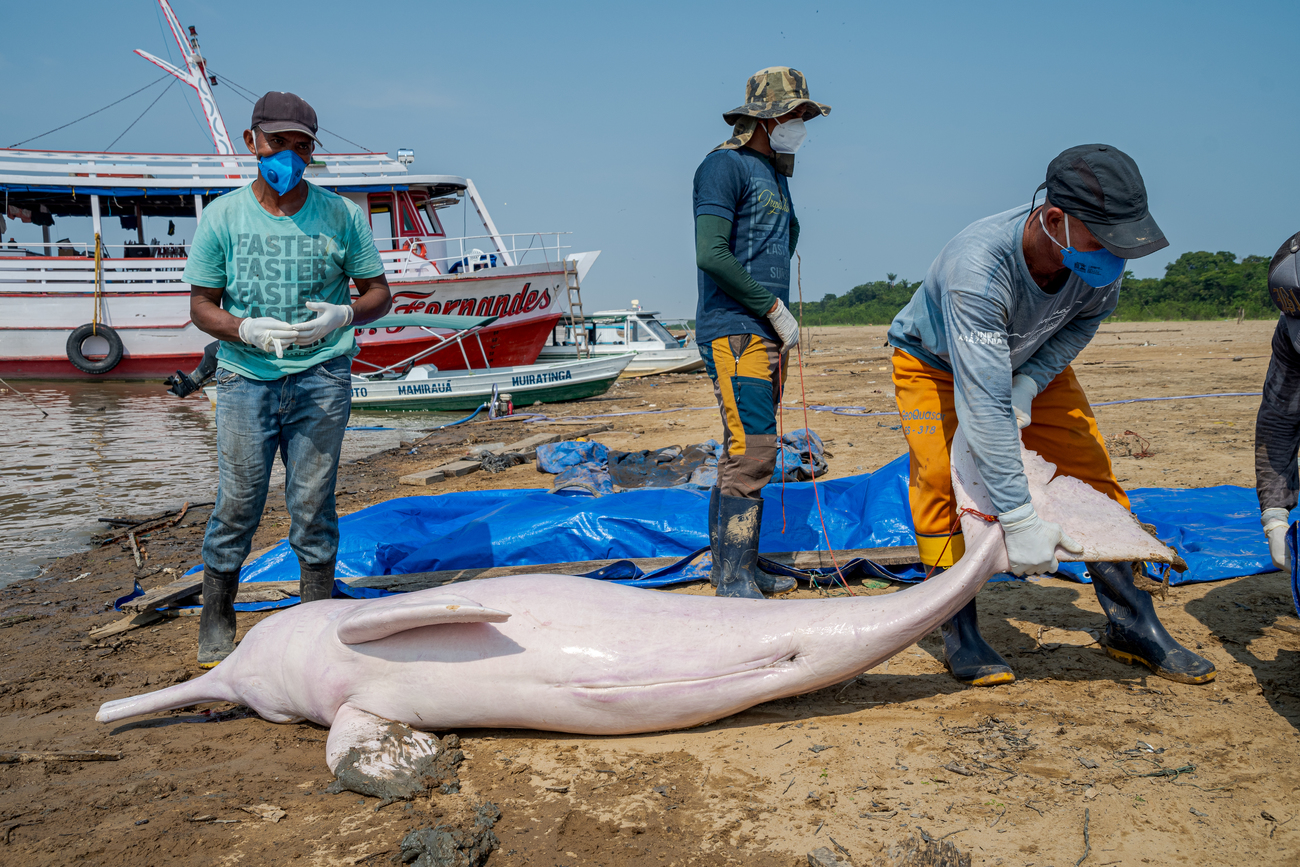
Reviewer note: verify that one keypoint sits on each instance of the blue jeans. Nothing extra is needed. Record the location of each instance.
(303, 417)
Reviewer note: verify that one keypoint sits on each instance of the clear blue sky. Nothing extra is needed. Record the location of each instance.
(591, 117)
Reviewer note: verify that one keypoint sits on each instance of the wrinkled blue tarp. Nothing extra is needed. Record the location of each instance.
(557, 457)
(1215, 529)
(591, 468)
(802, 457)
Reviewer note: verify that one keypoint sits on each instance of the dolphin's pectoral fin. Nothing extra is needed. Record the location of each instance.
(389, 760)
(400, 613)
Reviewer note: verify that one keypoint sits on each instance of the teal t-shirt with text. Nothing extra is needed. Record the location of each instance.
(272, 266)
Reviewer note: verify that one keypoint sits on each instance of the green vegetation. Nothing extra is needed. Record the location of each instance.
(1200, 286)
(1197, 286)
(869, 304)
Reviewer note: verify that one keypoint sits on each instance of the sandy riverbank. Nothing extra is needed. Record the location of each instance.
(1007, 772)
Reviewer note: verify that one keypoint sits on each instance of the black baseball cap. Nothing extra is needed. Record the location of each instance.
(1101, 186)
(280, 111)
(1284, 277)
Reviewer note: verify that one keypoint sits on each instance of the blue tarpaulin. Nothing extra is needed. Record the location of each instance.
(1216, 530)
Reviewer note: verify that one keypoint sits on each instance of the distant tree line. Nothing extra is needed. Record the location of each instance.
(1198, 285)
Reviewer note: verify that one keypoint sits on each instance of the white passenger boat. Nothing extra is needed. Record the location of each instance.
(81, 307)
(611, 332)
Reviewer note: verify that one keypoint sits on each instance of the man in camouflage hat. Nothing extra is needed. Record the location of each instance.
(745, 235)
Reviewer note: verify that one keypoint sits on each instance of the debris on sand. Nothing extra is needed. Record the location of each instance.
(269, 812)
(925, 852)
(445, 846)
(824, 857)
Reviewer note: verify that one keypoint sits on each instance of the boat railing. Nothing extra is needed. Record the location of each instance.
(221, 170)
(78, 272)
(74, 263)
(472, 252)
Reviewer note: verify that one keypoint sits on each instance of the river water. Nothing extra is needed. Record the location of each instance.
(108, 449)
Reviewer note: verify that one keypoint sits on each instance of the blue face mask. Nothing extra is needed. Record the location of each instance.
(1098, 268)
(282, 170)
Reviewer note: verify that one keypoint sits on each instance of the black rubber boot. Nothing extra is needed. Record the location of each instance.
(969, 657)
(1134, 632)
(315, 582)
(765, 581)
(217, 619)
(739, 520)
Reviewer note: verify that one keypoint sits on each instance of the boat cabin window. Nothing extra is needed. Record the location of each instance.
(656, 328)
(53, 222)
(608, 333)
(424, 205)
(639, 332)
(381, 221)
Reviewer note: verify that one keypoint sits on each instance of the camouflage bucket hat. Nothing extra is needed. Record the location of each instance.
(775, 91)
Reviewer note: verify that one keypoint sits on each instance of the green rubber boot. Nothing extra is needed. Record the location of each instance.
(738, 522)
(217, 619)
(969, 657)
(1135, 634)
(765, 581)
(315, 582)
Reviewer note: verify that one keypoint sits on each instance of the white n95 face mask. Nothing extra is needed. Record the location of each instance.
(788, 137)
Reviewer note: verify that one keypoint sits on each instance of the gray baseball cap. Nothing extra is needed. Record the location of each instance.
(280, 111)
(1101, 186)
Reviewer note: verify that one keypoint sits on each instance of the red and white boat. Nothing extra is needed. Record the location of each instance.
(82, 308)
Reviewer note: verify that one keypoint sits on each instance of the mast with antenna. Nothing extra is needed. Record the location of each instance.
(196, 76)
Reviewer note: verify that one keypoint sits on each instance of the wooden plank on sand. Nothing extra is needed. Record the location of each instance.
(440, 474)
(126, 624)
(10, 757)
(528, 445)
(177, 590)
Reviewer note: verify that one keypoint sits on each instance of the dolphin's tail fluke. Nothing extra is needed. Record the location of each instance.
(206, 688)
(1107, 531)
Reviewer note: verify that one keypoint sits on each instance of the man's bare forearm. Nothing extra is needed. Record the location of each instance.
(208, 317)
(373, 301)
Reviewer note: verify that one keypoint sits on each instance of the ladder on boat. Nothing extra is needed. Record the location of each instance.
(576, 320)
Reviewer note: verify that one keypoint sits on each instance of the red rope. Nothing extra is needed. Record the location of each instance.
(780, 417)
(839, 573)
(953, 530)
(803, 397)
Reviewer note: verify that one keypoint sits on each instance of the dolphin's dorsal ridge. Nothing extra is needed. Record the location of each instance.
(411, 611)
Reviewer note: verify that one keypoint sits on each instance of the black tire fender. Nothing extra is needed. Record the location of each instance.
(84, 364)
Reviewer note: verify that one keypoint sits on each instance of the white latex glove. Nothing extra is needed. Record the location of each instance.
(787, 327)
(1275, 523)
(1023, 391)
(329, 318)
(267, 334)
(1031, 541)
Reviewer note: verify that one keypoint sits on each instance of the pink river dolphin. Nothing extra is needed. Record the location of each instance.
(569, 654)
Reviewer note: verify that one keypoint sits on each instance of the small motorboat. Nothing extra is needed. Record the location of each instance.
(410, 385)
(613, 332)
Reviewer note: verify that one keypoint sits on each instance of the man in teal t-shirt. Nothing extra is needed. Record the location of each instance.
(268, 273)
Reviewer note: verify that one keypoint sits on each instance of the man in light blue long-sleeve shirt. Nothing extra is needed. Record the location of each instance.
(987, 341)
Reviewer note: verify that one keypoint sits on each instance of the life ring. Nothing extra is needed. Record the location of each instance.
(417, 248)
(79, 359)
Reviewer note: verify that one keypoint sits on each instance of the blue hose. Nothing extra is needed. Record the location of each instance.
(1182, 397)
(481, 407)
